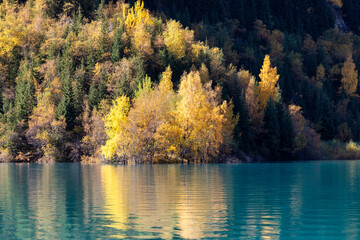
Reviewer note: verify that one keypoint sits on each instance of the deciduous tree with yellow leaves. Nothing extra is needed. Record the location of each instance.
(268, 84)
(206, 124)
(349, 76)
(177, 39)
(115, 127)
(136, 15)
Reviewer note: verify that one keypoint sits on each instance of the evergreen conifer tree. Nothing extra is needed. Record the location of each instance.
(24, 98)
(118, 46)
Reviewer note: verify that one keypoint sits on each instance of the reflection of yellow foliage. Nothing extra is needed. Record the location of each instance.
(115, 205)
(209, 189)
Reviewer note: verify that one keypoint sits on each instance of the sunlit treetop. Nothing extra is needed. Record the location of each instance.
(337, 3)
(268, 83)
(165, 82)
(136, 15)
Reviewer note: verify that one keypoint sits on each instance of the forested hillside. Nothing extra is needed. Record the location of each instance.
(185, 81)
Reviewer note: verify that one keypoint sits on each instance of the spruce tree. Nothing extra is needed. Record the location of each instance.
(25, 90)
(66, 106)
(272, 128)
(97, 91)
(242, 129)
(79, 89)
(118, 46)
(286, 132)
(104, 39)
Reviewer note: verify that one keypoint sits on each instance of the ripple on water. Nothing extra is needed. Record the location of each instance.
(304, 200)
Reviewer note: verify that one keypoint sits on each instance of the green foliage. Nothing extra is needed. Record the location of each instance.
(272, 128)
(97, 91)
(66, 106)
(118, 46)
(24, 98)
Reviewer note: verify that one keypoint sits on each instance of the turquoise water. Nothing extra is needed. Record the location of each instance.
(303, 200)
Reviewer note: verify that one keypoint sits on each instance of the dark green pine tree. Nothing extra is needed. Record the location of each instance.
(327, 121)
(272, 131)
(285, 81)
(91, 59)
(117, 51)
(14, 65)
(9, 114)
(76, 27)
(354, 119)
(100, 10)
(104, 39)
(79, 89)
(93, 95)
(102, 86)
(139, 72)
(66, 106)
(286, 132)
(242, 129)
(97, 91)
(25, 90)
(186, 18)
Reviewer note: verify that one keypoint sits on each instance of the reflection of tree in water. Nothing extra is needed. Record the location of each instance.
(34, 212)
(47, 202)
(164, 201)
(115, 194)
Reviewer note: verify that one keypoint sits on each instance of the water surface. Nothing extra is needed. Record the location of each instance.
(302, 200)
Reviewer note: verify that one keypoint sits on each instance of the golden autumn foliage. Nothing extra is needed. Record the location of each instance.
(320, 73)
(306, 138)
(93, 124)
(150, 110)
(142, 40)
(138, 125)
(256, 110)
(197, 126)
(268, 84)
(136, 15)
(46, 132)
(11, 28)
(177, 39)
(204, 74)
(115, 124)
(309, 45)
(349, 76)
(337, 3)
(165, 82)
(204, 122)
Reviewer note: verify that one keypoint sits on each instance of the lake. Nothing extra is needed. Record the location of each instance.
(301, 200)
